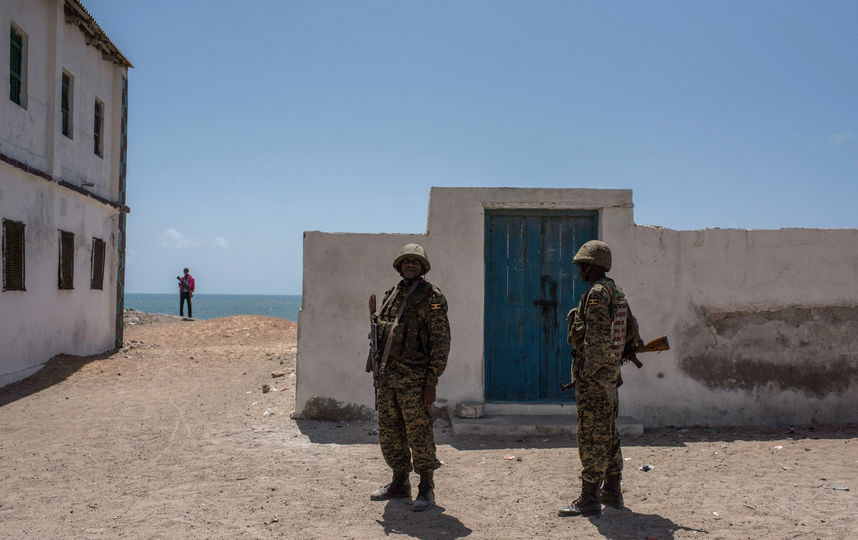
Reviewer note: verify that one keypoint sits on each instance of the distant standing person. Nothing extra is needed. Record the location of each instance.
(414, 333)
(186, 291)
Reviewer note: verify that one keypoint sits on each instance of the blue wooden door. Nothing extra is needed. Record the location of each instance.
(531, 284)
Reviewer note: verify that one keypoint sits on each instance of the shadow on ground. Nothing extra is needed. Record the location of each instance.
(665, 437)
(627, 524)
(330, 432)
(55, 371)
(359, 432)
(433, 523)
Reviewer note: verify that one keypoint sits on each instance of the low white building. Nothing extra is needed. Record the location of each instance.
(63, 147)
(763, 324)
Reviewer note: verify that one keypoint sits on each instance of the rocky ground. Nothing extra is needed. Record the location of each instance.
(173, 437)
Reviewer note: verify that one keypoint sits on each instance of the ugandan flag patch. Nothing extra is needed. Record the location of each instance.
(434, 307)
(593, 302)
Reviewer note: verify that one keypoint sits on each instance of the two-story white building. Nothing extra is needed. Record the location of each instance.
(63, 147)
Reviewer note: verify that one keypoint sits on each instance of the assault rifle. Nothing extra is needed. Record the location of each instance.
(658, 344)
(184, 285)
(630, 355)
(373, 347)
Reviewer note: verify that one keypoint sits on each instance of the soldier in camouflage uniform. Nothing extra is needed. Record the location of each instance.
(602, 332)
(416, 341)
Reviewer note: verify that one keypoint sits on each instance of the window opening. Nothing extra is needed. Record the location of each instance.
(97, 127)
(66, 105)
(13, 255)
(66, 266)
(97, 273)
(16, 65)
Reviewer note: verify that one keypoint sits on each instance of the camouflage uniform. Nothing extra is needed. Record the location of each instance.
(598, 344)
(418, 355)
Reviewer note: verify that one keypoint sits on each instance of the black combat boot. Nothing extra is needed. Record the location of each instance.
(612, 491)
(398, 487)
(426, 494)
(585, 505)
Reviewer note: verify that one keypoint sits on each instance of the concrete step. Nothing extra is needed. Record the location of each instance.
(538, 409)
(533, 424)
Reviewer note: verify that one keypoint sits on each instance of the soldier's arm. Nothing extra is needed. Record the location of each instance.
(439, 337)
(597, 318)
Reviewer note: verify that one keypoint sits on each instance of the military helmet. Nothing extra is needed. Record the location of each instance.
(412, 250)
(594, 252)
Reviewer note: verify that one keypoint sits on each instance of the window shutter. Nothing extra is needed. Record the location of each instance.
(13, 255)
(66, 267)
(97, 275)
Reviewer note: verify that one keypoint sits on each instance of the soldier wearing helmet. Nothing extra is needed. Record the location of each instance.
(601, 329)
(414, 333)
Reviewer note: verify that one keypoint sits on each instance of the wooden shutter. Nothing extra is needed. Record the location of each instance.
(66, 266)
(16, 61)
(13, 255)
(97, 274)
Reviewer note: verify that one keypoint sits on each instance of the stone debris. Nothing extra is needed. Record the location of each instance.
(469, 409)
(266, 388)
(275, 374)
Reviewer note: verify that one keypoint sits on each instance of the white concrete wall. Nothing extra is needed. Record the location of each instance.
(43, 321)
(741, 355)
(726, 298)
(93, 78)
(332, 342)
(24, 130)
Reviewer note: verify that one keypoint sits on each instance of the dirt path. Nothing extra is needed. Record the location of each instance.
(172, 437)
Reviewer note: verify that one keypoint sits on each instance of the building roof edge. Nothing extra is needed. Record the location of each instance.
(77, 14)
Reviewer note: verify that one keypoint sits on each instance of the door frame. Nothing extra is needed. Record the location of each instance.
(593, 213)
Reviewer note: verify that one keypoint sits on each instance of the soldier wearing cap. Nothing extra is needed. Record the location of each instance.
(601, 329)
(414, 333)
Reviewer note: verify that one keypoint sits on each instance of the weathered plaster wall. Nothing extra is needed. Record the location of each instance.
(762, 323)
(334, 321)
(44, 321)
(93, 78)
(341, 271)
(24, 128)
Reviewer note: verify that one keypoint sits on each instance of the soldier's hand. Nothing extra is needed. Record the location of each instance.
(428, 395)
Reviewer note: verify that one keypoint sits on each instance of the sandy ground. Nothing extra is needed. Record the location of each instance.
(172, 437)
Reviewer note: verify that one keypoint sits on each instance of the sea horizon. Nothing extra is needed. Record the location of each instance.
(214, 305)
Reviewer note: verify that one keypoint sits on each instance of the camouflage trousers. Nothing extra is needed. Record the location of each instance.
(405, 430)
(598, 438)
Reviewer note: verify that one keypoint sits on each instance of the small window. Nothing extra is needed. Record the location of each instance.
(66, 104)
(97, 274)
(13, 255)
(18, 66)
(66, 267)
(97, 128)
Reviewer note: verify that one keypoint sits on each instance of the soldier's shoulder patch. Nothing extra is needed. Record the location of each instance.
(435, 306)
(597, 295)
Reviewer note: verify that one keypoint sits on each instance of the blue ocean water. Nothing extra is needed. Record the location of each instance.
(211, 306)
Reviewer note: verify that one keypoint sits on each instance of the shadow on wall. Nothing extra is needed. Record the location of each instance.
(813, 350)
(56, 370)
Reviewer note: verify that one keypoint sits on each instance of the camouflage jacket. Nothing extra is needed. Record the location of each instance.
(601, 328)
(420, 342)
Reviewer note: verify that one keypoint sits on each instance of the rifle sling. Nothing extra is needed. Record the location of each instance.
(383, 362)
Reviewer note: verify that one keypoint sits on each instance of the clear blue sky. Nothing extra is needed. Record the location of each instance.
(251, 122)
